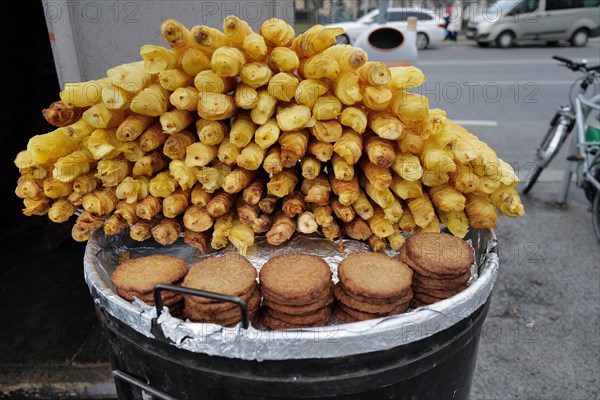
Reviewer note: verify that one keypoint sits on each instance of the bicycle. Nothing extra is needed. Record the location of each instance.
(584, 160)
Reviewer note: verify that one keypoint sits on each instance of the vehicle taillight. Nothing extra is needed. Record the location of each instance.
(442, 26)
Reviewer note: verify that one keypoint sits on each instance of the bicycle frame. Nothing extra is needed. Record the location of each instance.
(580, 146)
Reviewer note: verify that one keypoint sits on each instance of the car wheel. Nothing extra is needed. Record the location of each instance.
(422, 41)
(342, 39)
(505, 39)
(483, 44)
(580, 38)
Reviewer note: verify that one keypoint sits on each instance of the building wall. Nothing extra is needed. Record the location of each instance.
(93, 35)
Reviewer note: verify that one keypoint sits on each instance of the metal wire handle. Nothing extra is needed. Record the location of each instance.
(118, 374)
(200, 293)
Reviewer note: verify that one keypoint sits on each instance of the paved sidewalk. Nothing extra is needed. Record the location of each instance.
(541, 339)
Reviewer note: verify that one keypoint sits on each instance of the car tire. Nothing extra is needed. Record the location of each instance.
(483, 44)
(422, 41)
(342, 39)
(505, 40)
(580, 38)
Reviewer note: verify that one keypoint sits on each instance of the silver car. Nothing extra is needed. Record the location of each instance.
(508, 21)
(430, 28)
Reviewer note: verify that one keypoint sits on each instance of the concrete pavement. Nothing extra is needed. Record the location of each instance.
(541, 339)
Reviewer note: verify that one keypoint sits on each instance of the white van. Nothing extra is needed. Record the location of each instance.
(507, 21)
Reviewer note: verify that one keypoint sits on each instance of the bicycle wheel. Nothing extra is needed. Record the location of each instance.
(545, 153)
(533, 179)
(596, 215)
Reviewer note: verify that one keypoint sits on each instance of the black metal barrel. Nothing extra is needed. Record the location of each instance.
(438, 367)
(428, 353)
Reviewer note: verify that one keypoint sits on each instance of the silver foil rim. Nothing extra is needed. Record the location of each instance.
(336, 340)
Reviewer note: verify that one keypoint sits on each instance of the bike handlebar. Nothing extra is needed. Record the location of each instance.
(574, 66)
(562, 59)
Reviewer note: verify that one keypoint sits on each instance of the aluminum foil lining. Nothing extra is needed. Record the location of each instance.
(337, 340)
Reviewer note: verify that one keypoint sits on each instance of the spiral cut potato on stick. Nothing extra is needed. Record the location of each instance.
(223, 135)
(83, 94)
(60, 115)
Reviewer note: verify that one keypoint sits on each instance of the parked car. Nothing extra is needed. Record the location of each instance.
(507, 21)
(430, 28)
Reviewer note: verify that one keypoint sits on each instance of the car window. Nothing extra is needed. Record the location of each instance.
(502, 6)
(418, 15)
(396, 16)
(403, 16)
(527, 6)
(588, 3)
(566, 4)
(559, 4)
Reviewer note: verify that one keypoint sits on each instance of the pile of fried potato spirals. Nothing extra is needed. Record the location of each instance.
(227, 134)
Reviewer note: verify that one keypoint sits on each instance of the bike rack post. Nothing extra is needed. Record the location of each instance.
(571, 167)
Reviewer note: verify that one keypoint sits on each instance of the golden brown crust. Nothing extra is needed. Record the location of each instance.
(358, 229)
(379, 151)
(142, 274)
(147, 297)
(167, 231)
(197, 219)
(231, 275)
(295, 278)
(198, 312)
(440, 284)
(271, 296)
(376, 243)
(430, 298)
(417, 269)
(344, 297)
(220, 204)
(254, 318)
(198, 240)
(371, 300)
(414, 303)
(440, 253)
(172, 302)
(374, 275)
(299, 309)
(254, 192)
(321, 314)
(439, 294)
(276, 324)
(58, 114)
(194, 302)
(281, 230)
(293, 204)
(229, 322)
(344, 316)
(363, 316)
(425, 298)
